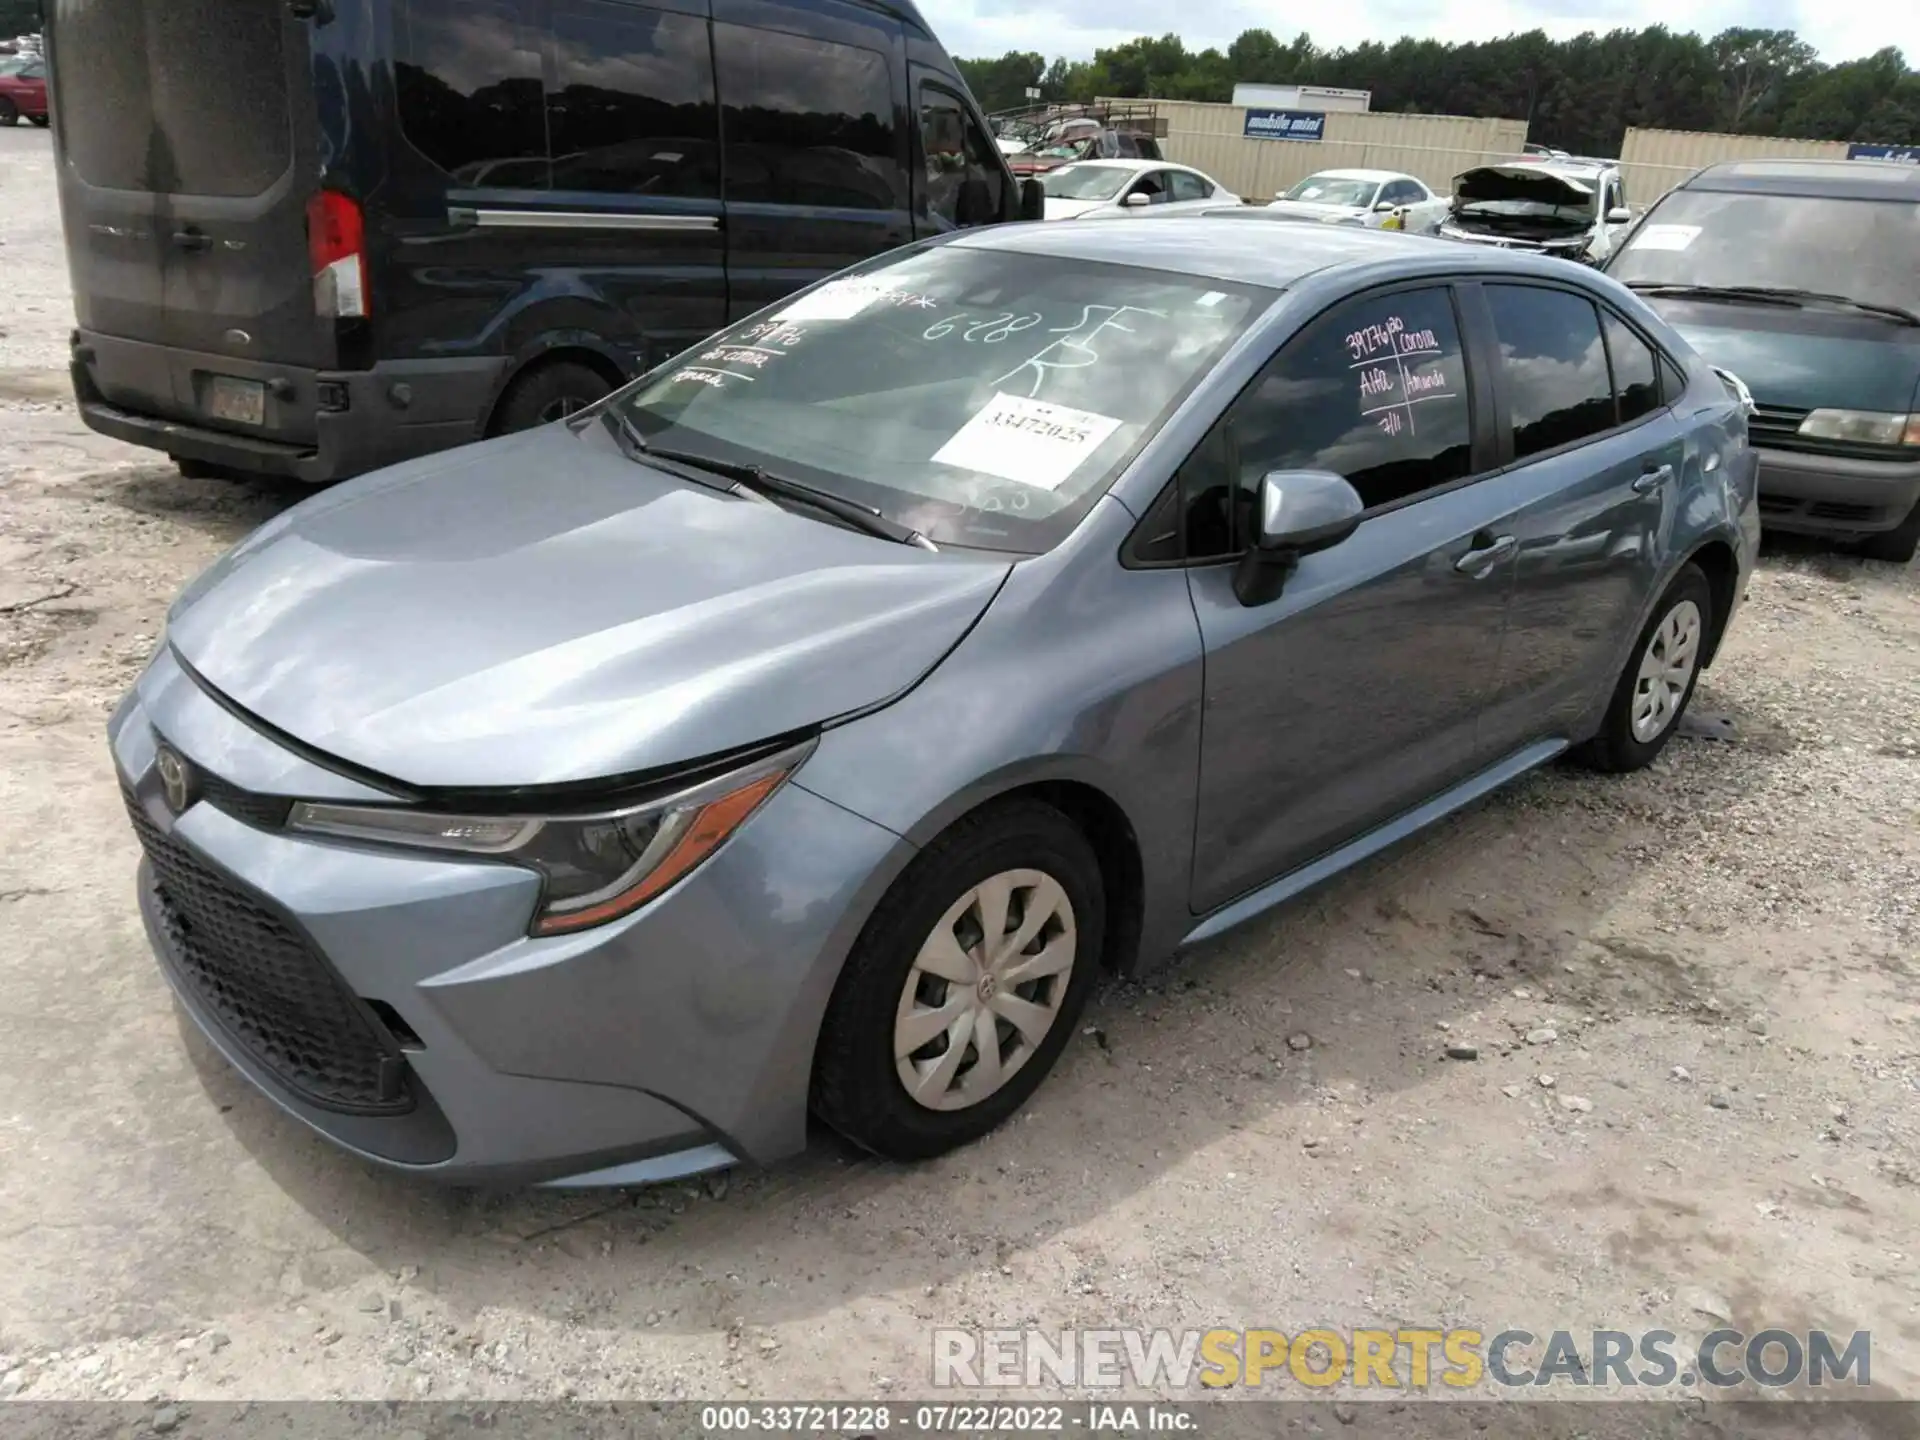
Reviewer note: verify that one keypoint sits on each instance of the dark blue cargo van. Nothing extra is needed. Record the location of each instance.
(312, 237)
(1802, 277)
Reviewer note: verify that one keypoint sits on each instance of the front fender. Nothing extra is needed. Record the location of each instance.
(1080, 672)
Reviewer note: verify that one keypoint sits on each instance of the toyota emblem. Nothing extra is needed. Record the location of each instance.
(176, 780)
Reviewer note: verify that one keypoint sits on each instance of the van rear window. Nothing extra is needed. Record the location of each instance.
(181, 97)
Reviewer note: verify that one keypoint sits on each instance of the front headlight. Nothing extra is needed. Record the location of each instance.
(1862, 427)
(595, 867)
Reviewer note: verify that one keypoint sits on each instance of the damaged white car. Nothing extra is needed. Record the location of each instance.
(1573, 208)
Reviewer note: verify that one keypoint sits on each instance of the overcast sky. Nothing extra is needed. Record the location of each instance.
(1839, 29)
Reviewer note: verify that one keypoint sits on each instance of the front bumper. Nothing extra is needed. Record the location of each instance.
(1835, 495)
(393, 412)
(676, 1040)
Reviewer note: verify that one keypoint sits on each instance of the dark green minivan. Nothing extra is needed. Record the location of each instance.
(1802, 277)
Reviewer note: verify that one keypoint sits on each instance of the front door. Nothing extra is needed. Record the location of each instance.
(1357, 693)
(959, 177)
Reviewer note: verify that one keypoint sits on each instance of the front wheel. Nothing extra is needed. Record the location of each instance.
(965, 985)
(43, 121)
(1653, 691)
(1898, 544)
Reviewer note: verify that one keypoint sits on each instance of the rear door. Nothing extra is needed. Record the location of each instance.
(816, 156)
(1595, 461)
(187, 136)
(634, 211)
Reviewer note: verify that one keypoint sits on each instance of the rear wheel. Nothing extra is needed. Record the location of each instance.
(1653, 692)
(42, 120)
(8, 114)
(549, 392)
(1897, 544)
(964, 986)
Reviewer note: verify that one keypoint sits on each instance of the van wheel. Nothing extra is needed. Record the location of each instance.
(8, 114)
(1897, 544)
(547, 393)
(964, 987)
(43, 121)
(1658, 682)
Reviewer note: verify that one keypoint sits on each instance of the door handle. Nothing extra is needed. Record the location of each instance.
(192, 240)
(1479, 561)
(1653, 479)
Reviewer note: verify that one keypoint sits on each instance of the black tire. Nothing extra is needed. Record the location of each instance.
(548, 392)
(857, 1088)
(1898, 544)
(8, 114)
(206, 470)
(1616, 748)
(42, 120)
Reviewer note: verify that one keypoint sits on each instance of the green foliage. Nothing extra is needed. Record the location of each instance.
(1580, 94)
(19, 17)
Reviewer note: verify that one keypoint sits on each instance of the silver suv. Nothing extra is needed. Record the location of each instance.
(1557, 204)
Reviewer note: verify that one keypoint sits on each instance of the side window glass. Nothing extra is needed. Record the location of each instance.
(1375, 390)
(468, 84)
(1553, 364)
(633, 110)
(1187, 185)
(961, 178)
(1636, 373)
(808, 122)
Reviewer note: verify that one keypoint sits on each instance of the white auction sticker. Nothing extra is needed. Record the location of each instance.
(1664, 237)
(835, 300)
(1027, 440)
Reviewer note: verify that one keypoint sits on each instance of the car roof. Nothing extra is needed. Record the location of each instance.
(1828, 179)
(1252, 245)
(1125, 162)
(1381, 175)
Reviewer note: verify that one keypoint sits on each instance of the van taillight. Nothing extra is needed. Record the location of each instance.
(336, 244)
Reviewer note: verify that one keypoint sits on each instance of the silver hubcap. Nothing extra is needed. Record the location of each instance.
(985, 989)
(564, 406)
(1666, 669)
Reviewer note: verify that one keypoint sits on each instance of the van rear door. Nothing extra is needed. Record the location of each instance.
(186, 138)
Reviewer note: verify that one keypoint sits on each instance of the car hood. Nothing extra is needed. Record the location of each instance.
(1520, 182)
(1067, 209)
(541, 610)
(1803, 359)
(1314, 210)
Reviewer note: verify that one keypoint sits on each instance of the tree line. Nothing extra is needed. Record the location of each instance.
(1580, 94)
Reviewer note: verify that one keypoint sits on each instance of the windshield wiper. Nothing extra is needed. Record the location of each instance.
(758, 481)
(1776, 295)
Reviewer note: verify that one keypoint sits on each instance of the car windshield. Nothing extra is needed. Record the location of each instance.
(1330, 190)
(1084, 182)
(1866, 249)
(983, 397)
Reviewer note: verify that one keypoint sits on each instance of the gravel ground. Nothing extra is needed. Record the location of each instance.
(1691, 992)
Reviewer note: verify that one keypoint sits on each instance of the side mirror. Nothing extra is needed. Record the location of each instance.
(1138, 198)
(1300, 511)
(1033, 200)
(1619, 215)
(1385, 205)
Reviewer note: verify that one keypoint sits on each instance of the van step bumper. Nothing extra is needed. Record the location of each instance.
(393, 412)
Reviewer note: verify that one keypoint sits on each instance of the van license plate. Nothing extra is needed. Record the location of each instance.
(242, 401)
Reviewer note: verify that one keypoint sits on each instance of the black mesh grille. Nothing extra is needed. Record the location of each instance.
(263, 812)
(1774, 423)
(269, 990)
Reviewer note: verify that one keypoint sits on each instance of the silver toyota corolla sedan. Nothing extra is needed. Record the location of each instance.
(807, 726)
